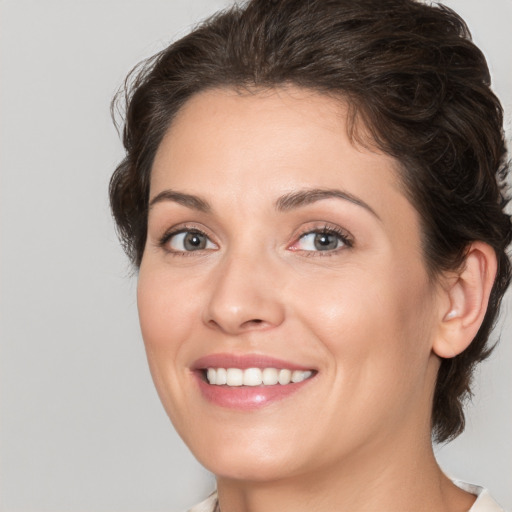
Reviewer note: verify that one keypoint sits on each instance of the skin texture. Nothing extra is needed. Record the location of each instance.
(364, 316)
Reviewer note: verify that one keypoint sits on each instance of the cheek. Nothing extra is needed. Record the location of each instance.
(167, 316)
(165, 311)
(371, 321)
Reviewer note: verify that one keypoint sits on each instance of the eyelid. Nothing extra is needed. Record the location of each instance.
(184, 228)
(345, 236)
(324, 227)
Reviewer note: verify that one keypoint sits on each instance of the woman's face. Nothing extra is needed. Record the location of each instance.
(275, 243)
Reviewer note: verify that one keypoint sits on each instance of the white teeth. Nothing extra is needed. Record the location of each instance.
(255, 376)
(299, 376)
(252, 377)
(221, 377)
(285, 376)
(270, 376)
(234, 377)
(211, 375)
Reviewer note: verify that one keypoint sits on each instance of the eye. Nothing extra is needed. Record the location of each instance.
(187, 241)
(322, 240)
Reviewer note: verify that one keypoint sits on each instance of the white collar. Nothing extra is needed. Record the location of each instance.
(484, 501)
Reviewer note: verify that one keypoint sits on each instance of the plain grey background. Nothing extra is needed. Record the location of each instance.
(81, 425)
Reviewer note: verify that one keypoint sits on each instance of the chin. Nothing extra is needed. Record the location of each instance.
(254, 457)
(253, 469)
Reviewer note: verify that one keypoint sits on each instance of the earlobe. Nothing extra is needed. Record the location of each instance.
(466, 298)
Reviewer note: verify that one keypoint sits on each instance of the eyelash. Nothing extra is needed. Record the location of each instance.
(168, 235)
(340, 233)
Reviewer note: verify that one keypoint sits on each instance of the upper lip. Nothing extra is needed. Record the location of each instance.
(244, 361)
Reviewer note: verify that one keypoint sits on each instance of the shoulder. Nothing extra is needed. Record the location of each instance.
(484, 501)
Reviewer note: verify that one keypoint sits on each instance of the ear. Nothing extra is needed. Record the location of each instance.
(464, 302)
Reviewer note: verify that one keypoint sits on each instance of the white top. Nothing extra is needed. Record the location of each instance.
(483, 503)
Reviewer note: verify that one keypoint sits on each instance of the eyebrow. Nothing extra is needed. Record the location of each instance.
(284, 203)
(308, 196)
(188, 200)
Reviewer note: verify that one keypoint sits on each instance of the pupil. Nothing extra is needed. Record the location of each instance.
(194, 241)
(325, 241)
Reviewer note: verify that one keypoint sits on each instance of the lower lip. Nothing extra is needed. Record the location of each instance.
(247, 397)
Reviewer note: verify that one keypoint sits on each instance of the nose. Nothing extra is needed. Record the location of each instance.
(244, 297)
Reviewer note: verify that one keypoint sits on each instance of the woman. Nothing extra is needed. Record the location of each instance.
(313, 196)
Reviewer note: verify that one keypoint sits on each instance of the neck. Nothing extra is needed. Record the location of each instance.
(400, 479)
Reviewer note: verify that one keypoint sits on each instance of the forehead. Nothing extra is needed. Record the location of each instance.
(259, 145)
(275, 129)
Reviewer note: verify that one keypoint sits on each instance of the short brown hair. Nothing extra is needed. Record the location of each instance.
(409, 72)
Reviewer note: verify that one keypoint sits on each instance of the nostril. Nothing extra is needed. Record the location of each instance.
(252, 323)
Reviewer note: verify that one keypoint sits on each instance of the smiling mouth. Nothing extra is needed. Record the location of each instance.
(237, 377)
